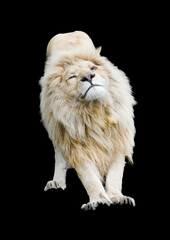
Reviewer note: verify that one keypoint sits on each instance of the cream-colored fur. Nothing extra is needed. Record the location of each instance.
(91, 126)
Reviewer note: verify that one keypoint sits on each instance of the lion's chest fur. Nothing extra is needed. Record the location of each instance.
(88, 135)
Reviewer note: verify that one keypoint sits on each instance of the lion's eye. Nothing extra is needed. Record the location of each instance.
(93, 68)
(73, 76)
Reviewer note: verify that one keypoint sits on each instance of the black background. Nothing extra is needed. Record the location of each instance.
(126, 35)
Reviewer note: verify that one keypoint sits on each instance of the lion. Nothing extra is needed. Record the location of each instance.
(86, 105)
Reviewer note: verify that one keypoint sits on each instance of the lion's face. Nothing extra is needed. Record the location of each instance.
(83, 80)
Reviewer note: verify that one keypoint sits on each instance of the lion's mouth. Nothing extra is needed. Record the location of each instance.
(91, 86)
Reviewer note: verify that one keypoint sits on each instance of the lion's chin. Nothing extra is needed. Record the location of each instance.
(95, 92)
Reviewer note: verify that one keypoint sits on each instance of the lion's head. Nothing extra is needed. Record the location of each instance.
(75, 68)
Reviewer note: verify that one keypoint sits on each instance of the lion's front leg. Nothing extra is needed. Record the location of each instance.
(93, 186)
(114, 181)
(59, 179)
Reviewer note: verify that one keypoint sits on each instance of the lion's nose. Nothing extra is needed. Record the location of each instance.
(88, 77)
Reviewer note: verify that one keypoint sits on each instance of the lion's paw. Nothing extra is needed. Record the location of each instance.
(121, 199)
(55, 184)
(92, 205)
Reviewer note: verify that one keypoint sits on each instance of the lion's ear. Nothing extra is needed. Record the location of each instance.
(99, 50)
